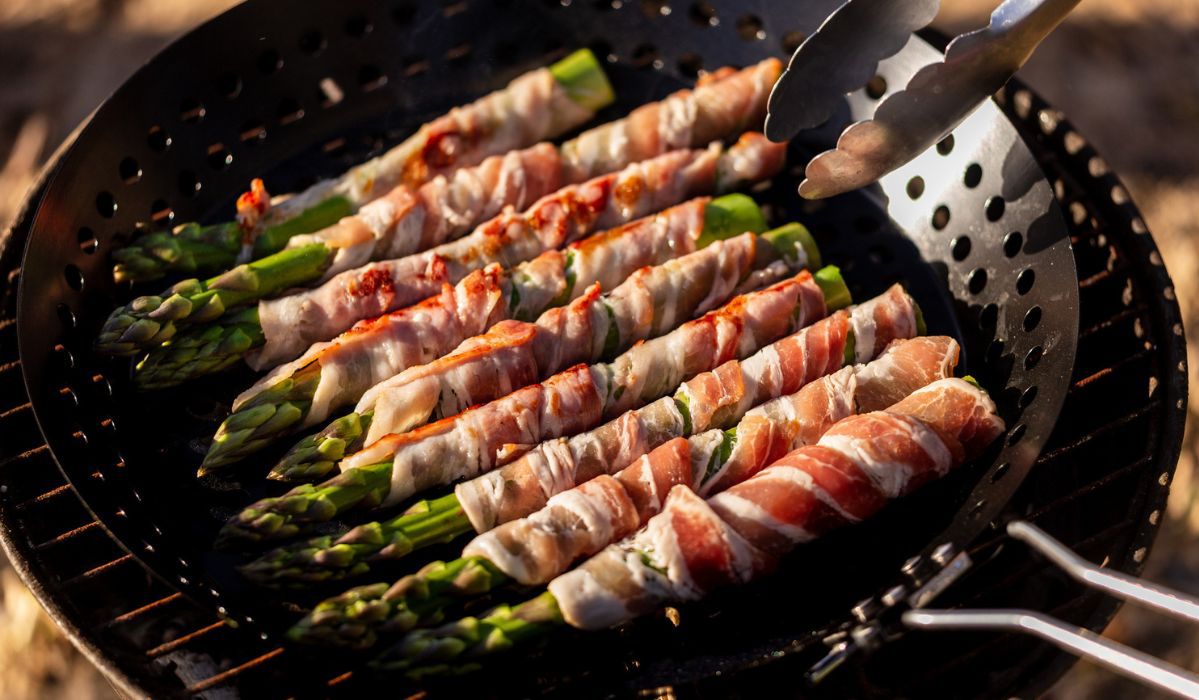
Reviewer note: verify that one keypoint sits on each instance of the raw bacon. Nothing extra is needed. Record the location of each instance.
(771, 430)
(534, 549)
(693, 546)
(406, 220)
(513, 354)
(730, 103)
(532, 108)
(479, 439)
(294, 322)
(714, 398)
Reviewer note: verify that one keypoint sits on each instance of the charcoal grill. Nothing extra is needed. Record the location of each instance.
(103, 520)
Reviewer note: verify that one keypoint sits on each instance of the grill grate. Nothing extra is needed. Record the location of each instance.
(1099, 486)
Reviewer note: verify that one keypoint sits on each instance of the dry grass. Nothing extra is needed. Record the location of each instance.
(1124, 71)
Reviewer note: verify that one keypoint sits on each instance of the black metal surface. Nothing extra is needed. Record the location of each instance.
(151, 488)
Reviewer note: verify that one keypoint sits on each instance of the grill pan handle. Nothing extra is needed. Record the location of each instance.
(1081, 642)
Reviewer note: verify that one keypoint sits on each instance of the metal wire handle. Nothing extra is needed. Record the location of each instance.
(1082, 642)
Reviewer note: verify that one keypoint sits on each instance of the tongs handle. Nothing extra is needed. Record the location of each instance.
(1116, 583)
(1082, 642)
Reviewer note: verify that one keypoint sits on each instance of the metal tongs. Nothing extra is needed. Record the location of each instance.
(843, 55)
(1081, 642)
(1077, 640)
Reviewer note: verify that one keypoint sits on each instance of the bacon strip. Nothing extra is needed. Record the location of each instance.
(534, 549)
(294, 322)
(776, 427)
(728, 103)
(693, 546)
(513, 354)
(532, 108)
(716, 398)
(380, 349)
(407, 220)
(479, 439)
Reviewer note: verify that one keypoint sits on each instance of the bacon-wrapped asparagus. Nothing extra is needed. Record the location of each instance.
(538, 105)
(583, 520)
(719, 108)
(716, 398)
(286, 326)
(198, 351)
(397, 466)
(332, 375)
(594, 326)
(553, 467)
(693, 546)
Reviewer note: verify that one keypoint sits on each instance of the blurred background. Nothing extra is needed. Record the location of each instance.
(1126, 73)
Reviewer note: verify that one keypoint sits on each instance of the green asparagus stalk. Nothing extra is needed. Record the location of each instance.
(321, 215)
(197, 249)
(205, 350)
(152, 320)
(358, 618)
(297, 510)
(274, 410)
(316, 455)
(189, 248)
(254, 425)
(336, 558)
(442, 649)
(329, 558)
(302, 508)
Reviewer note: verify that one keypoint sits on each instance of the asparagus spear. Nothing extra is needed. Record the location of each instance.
(359, 617)
(434, 650)
(152, 320)
(205, 350)
(297, 510)
(305, 506)
(316, 454)
(254, 425)
(189, 248)
(199, 249)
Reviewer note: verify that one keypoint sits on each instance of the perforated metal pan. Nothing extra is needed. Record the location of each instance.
(972, 228)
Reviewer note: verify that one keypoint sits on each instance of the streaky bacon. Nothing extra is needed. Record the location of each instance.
(778, 426)
(564, 528)
(513, 354)
(725, 103)
(525, 485)
(532, 108)
(477, 440)
(407, 220)
(292, 323)
(693, 546)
